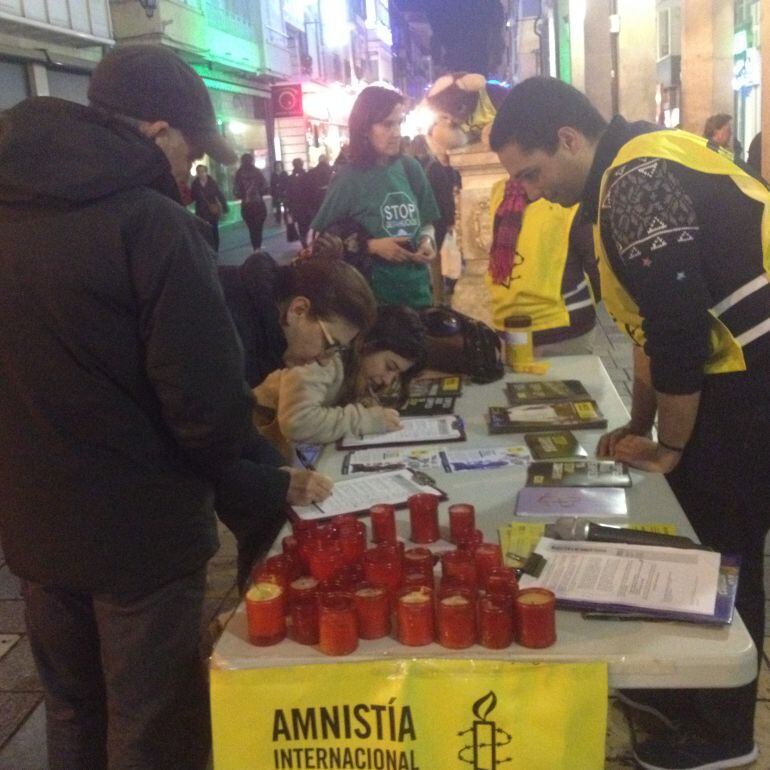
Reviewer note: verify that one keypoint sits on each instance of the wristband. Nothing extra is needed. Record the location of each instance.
(670, 448)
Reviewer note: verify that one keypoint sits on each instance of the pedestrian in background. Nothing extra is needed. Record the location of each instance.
(122, 401)
(250, 185)
(210, 203)
(278, 181)
(320, 176)
(300, 198)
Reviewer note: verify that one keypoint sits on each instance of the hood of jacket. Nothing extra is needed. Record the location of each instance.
(54, 151)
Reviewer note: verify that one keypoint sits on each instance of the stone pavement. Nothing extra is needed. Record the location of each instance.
(22, 718)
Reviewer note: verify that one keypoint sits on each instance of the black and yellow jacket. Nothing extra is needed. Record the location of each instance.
(684, 245)
(553, 274)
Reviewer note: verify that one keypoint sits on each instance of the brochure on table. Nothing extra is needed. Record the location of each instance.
(414, 430)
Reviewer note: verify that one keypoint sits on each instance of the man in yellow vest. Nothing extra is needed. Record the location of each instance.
(542, 265)
(684, 260)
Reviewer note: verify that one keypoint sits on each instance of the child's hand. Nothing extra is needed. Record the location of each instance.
(391, 420)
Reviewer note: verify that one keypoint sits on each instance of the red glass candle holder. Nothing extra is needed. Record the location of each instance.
(495, 621)
(383, 517)
(351, 537)
(456, 622)
(416, 625)
(373, 612)
(304, 620)
(416, 579)
(280, 567)
(502, 580)
(302, 588)
(423, 517)
(449, 586)
(337, 624)
(419, 559)
(535, 618)
(266, 614)
(382, 567)
(342, 520)
(462, 520)
(326, 560)
(487, 556)
(459, 565)
(290, 545)
(469, 541)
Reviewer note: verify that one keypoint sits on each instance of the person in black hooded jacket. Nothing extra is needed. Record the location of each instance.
(122, 405)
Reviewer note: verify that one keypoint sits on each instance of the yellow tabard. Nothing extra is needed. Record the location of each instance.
(692, 152)
(534, 286)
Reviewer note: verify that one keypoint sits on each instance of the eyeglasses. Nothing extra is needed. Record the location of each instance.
(331, 345)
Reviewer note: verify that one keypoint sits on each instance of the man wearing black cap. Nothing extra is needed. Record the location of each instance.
(122, 399)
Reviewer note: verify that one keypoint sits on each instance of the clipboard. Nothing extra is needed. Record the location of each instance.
(435, 429)
(391, 487)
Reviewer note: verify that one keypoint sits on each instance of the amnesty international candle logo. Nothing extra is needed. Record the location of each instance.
(485, 736)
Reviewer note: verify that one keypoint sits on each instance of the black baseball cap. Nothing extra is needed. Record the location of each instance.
(150, 82)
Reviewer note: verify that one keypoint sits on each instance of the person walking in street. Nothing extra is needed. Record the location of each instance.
(320, 177)
(122, 402)
(388, 195)
(684, 272)
(278, 181)
(210, 203)
(249, 187)
(300, 198)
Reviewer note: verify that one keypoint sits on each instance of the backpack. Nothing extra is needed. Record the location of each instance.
(461, 344)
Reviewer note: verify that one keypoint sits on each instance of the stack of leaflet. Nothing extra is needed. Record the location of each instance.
(545, 406)
(575, 488)
(432, 396)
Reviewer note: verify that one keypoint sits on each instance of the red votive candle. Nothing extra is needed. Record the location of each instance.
(326, 560)
(342, 520)
(462, 520)
(352, 541)
(279, 566)
(423, 516)
(414, 611)
(302, 587)
(459, 565)
(535, 617)
(383, 518)
(337, 625)
(413, 578)
(487, 556)
(373, 612)
(265, 614)
(469, 541)
(304, 620)
(449, 586)
(456, 622)
(382, 567)
(419, 559)
(495, 621)
(502, 580)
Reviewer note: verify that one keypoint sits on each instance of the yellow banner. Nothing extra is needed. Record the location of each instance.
(411, 715)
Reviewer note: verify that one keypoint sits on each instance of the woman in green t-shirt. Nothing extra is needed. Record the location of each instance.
(388, 195)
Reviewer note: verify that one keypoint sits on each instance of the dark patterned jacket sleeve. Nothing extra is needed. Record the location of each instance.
(653, 239)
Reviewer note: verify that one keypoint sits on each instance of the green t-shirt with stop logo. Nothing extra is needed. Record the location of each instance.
(389, 202)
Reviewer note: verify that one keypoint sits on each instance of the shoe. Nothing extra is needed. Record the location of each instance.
(667, 706)
(690, 753)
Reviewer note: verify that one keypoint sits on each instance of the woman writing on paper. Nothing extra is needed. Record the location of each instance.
(339, 395)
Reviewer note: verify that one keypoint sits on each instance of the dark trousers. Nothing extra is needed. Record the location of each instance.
(215, 234)
(723, 484)
(125, 684)
(254, 214)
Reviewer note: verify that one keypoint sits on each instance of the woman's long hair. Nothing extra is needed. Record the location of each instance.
(400, 330)
(373, 105)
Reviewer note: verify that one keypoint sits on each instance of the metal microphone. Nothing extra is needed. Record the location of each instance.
(573, 528)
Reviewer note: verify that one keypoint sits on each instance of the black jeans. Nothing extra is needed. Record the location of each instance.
(125, 684)
(254, 214)
(723, 484)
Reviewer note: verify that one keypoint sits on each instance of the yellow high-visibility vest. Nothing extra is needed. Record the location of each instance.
(534, 287)
(693, 152)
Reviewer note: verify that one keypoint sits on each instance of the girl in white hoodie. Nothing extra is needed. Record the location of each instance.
(340, 393)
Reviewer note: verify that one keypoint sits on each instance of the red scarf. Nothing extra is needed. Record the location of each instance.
(506, 229)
